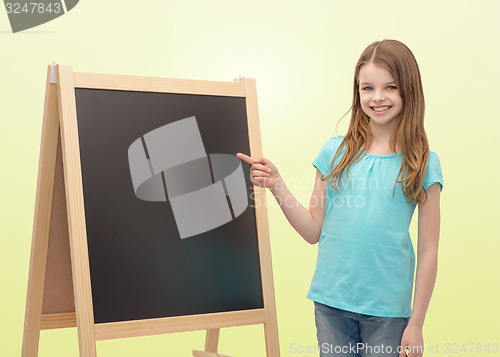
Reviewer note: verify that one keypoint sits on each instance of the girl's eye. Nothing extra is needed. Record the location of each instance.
(370, 88)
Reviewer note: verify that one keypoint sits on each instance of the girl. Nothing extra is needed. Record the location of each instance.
(367, 186)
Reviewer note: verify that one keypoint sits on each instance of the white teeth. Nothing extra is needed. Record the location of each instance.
(380, 109)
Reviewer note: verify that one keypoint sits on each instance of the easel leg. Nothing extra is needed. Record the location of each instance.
(272, 342)
(75, 211)
(212, 340)
(43, 205)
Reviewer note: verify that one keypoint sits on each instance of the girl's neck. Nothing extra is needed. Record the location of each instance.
(380, 140)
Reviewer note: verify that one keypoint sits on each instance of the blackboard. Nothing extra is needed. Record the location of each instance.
(145, 220)
(140, 267)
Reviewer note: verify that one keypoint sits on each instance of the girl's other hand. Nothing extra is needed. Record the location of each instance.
(263, 173)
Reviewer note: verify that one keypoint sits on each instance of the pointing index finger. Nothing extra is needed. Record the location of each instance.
(245, 158)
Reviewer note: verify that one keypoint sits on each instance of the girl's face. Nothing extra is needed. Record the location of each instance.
(379, 97)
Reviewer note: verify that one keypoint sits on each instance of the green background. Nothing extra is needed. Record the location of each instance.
(302, 55)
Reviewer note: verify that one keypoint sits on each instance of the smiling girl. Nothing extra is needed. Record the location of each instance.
(363, 282)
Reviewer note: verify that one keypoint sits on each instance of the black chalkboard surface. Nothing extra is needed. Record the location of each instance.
(140, 267)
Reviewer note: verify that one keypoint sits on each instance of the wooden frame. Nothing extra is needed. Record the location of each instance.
(59, 224)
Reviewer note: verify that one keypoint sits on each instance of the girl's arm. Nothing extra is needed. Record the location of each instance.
(427, 256)
(307, 222)
(427, 253)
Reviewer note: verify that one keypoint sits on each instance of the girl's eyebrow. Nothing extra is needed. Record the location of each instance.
(370, 83)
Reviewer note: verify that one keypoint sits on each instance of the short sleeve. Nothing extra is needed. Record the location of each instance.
(324, 159)
(434, 173)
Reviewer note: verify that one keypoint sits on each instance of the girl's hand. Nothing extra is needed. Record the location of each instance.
(413, 340)
(263, 173)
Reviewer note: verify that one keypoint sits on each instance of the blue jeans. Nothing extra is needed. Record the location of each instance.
(349, 334)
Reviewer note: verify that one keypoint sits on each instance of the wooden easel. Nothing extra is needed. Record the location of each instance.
(207, 354)
(59, 286)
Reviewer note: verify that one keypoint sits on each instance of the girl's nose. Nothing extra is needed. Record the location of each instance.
(378, 96)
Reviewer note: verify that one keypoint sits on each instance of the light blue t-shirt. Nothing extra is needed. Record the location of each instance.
(366, 260)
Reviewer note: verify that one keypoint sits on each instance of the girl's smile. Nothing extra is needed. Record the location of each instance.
(381, 109)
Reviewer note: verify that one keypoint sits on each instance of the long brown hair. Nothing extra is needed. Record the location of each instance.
(409, 133)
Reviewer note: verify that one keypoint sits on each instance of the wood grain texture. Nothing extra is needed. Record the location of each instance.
(76, 211)
(162, 85)
(41, 222)
(212, 340)
(112, 330)
(271, 324)
(62, 320)
(197, 353)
